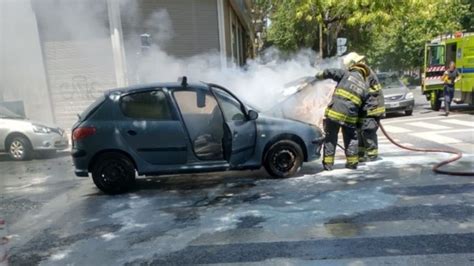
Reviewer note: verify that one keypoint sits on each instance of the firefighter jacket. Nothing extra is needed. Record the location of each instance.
(348, 98)
(375, 104)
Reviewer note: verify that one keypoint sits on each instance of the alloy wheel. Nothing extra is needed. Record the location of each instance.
(17, 149)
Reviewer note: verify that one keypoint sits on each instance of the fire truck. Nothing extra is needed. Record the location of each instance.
(459, 48)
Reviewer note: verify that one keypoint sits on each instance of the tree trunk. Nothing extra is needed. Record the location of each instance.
(321, 40)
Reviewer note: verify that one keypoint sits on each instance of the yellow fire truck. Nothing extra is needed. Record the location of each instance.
(459, 48)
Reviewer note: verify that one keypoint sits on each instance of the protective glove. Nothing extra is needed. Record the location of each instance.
(319, 75)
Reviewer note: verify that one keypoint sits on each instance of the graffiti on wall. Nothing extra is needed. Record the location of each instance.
(80, 87)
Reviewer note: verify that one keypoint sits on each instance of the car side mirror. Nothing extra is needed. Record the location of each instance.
(252, 115)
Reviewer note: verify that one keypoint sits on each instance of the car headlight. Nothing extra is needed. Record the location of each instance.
(409, 96)
(41, 129)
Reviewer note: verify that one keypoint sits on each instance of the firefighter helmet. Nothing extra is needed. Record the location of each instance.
(363, 68)
(352, 58)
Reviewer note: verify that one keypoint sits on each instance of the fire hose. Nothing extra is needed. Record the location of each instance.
(436, 167)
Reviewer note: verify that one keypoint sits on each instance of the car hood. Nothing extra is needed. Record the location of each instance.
(304, 101)
(394, 91)
(25, 122)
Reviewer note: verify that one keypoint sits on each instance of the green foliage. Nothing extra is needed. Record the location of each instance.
(391, 33)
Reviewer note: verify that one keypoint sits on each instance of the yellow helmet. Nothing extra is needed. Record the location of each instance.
(363, 68)
(352, 58)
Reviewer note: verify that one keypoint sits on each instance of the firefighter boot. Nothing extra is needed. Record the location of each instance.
(327, 167)
(372, 155)
(362, 157)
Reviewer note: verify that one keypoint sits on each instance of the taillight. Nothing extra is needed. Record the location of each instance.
(82, 132)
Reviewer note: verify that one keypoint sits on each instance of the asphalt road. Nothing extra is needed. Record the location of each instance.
(393, 211)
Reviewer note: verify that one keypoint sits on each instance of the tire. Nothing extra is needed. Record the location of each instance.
(408, 112)
(283, 159)
(113, 173)
(19, 148)
(435, 102)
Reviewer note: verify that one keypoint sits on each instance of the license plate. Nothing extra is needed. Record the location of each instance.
(392, 105)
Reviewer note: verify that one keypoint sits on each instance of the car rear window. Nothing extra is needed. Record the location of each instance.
(152, 105)
(92, 108)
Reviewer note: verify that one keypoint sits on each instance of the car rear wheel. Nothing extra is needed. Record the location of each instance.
(284, 159)
(19, 148)
(113, 173)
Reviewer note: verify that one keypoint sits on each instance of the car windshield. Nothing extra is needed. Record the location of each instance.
(244, 102)
(389, 81)
(5, 113)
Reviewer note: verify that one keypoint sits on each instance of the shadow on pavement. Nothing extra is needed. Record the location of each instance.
(4, 157)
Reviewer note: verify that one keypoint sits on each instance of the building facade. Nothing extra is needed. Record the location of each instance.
(59, 55)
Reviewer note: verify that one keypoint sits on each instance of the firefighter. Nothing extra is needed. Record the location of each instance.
(343, 111)
(370, 114)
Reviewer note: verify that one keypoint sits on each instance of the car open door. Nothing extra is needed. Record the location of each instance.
(240, 128)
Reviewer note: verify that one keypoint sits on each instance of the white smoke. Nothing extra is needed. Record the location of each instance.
(260, 82)
(82, 27)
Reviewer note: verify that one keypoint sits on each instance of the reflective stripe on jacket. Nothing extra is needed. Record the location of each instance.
(375, 104)
(349, 97)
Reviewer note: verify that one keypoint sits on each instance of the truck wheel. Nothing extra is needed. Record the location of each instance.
(113, 173)
(435, 102)
(19, 148)
(283, 159)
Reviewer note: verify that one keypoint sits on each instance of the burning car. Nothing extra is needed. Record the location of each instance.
(166, 128)
(20, 137)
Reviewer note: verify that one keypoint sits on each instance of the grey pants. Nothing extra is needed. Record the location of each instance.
(368, 141)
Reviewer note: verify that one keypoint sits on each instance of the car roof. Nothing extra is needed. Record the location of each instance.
(151, 86)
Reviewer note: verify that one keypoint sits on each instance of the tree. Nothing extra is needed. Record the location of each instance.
(391, 33)
(260, 13)
(317, 23)
(400, 44)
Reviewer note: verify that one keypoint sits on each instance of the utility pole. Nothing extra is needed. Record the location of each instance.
(116, 38)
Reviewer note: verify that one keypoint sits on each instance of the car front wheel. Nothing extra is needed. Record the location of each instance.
(113, 173)
(284, 159)
(19, 148)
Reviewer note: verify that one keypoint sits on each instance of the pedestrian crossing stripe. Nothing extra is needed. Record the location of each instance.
(395, 129)
(436, 138)
(427, 125)
(459, 122)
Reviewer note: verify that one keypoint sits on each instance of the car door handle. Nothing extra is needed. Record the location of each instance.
(132, 132)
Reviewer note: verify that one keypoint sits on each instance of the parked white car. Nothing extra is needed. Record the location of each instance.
(20, 137)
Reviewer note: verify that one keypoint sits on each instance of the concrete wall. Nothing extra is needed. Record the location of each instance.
(77, 49)
(22, 73)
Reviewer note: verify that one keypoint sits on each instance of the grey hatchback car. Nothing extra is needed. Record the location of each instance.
(169, 128)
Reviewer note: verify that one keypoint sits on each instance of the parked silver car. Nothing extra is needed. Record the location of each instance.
(20, 137)
(398, 98)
